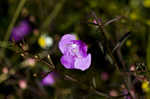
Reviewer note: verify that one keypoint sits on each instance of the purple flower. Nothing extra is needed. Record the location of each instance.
(127, 97)
(74, 53)
(125, 92)
(20, 31)
(49, 79)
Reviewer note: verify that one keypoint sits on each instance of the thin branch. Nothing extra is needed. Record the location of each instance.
(50, 60)
(113, 20)
(122, 40)
(108, 22)
(104, 33)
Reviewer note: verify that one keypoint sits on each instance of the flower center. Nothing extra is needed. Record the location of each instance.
(74, 45)
(74, 48)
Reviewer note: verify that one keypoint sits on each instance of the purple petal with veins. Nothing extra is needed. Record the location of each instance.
(74, 53)
(65, 41)
(83, 63)
(68, 61)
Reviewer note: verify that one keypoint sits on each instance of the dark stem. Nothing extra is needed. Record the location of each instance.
(104, 33)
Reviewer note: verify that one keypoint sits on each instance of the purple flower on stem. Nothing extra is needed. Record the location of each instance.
(74, 53)
(49, 79)
(20, 31)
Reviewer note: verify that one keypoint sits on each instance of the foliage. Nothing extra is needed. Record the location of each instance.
(117, 35)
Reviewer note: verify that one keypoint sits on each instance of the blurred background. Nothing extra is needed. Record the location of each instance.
(24, 63)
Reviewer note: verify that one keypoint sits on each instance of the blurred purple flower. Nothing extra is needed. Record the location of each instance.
(125, 92)
(74, 53)
(127, 97)
(49, 79)
(20, 31)
(104, 76)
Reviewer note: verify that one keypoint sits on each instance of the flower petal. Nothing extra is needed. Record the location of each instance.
(20, 31)
(83, 63)
(67, 61)
(24, 28)
(48, 80)
(82, 48)
(65, 40)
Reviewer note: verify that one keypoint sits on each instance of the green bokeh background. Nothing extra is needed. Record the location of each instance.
(58, 17)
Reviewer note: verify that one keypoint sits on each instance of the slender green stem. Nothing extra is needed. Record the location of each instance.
(148, 52)
(11, 25)
(19, 8)
(148, 62)
(52, 15)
